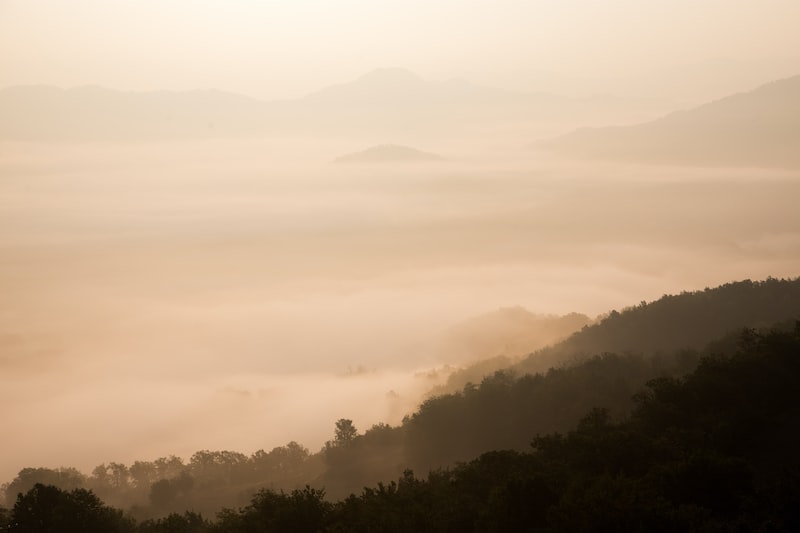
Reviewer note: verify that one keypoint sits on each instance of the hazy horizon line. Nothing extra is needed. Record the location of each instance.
(428, 80)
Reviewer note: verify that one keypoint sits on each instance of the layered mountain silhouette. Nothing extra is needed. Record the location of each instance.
(383, 102)
(686, 321)
(95, 113)
(693, 418)
(388, 153)
(756, 128)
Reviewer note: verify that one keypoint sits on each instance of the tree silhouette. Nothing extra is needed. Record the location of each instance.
(345, 432)
(46, 508)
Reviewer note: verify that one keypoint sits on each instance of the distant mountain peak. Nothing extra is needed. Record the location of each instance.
(387, 153)
(760, 127)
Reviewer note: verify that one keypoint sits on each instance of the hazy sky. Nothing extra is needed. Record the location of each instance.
(274, 48)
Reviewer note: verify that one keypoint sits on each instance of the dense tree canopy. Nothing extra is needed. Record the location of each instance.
(45, 509)
(712, 451)
(695, 439)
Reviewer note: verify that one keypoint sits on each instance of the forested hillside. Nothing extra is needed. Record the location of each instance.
(689, 320)
(714, 451)
(601, 370)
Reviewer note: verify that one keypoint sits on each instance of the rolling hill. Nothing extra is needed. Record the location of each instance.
(744, 380)
(384, 102)
(44, 113)
(758, 128)
(690, 320)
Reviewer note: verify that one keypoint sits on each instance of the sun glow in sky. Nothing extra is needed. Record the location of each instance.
(285, 49)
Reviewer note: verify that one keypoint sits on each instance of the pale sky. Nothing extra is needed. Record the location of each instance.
(272, 49)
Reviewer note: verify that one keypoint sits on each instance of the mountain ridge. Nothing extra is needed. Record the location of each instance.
(383, 102)
(686, 321)
(760, 127)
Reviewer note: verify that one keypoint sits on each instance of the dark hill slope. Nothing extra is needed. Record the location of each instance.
(689, 320)
(602, 366)
(508, 410)
(714, 451)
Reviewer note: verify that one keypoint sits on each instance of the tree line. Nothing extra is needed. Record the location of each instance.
(504, 411)
(715, 450)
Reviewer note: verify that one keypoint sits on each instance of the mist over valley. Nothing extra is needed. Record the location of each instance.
(286, 268)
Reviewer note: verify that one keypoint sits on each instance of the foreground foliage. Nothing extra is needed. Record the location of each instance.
(602, 366)
(714, 451)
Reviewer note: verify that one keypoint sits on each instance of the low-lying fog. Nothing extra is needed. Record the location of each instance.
(161, 299)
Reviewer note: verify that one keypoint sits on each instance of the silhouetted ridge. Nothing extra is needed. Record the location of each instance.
(715, 450)
(689, 320)
(740, 404)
